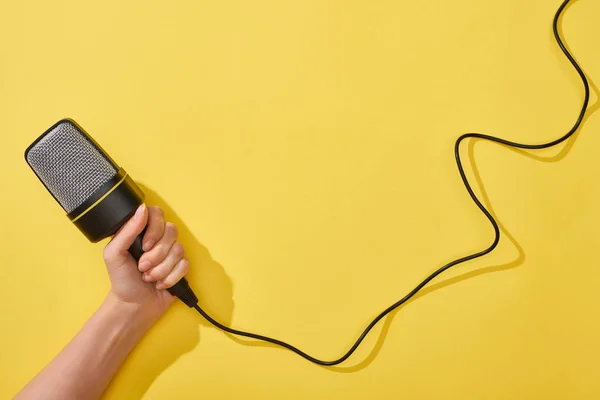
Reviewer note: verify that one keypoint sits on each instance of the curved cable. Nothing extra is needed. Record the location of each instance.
(473, 197)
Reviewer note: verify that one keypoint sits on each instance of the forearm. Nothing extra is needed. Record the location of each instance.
(87, 364)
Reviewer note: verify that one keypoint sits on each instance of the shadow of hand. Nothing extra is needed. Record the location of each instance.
(177, 332)
(214, 289)
(207, 277)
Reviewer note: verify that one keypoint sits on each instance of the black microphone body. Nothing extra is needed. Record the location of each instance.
(98, 196)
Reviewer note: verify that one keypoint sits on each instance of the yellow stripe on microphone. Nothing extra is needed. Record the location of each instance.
(100, 199)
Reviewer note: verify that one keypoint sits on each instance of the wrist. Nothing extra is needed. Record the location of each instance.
(133, 317)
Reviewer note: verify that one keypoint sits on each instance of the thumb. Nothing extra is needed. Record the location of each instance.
(116, 252)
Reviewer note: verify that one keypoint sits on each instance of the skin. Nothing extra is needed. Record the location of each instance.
(136, 300)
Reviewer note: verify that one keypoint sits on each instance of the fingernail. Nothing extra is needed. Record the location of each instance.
(140, 211)
(159, 285)
(146, 277)
(148, 244)
(144, 266)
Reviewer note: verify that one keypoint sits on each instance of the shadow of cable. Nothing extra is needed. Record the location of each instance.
(486, 201)
(468, 275)
(568, 69)
(440, 285)
(220, 304)
(429, 289)
(177, 332)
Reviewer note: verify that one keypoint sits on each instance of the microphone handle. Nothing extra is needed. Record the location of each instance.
(181, 289)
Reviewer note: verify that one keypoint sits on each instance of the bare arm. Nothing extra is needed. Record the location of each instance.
(87, 364)
(137, 299)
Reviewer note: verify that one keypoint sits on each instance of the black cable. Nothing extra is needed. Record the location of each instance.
(473, 196)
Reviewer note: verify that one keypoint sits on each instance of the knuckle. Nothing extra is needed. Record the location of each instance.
(159, 274)
(146, 257)
(156, 210)
(159, 255)
(171, 280)
(163, 250)
(177, 249)
(154, 256)
(185, 266)
(107, 253)
(171, 228)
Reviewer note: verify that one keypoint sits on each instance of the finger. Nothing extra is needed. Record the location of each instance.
(122, 241)
(166, 266)
(155, 229)
(178, 272)
(160, 250)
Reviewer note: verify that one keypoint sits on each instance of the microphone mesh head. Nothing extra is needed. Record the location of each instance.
(69, 164)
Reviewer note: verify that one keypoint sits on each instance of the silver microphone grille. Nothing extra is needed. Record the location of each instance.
(69, 164)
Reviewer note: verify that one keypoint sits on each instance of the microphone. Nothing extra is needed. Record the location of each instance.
(97, 195)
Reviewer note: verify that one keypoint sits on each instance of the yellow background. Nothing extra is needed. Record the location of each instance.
(306, 150)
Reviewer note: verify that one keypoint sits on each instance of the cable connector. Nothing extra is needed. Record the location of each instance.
(185, 293)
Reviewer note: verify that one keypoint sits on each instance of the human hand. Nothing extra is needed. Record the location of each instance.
(143, 286)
